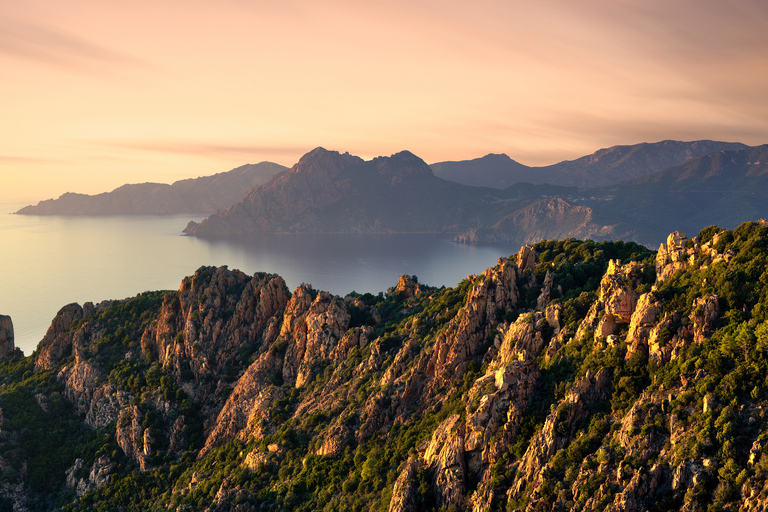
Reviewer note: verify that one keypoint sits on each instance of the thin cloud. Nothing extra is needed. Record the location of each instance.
(8, 159)
(49, 46)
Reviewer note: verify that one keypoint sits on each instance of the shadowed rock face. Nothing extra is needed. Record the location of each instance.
(7, 346)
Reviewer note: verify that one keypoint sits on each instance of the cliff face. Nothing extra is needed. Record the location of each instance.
(571, 375)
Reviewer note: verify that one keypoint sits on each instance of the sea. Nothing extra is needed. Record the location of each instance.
(47, 262)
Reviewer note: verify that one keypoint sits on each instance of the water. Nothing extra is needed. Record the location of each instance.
(48, 262)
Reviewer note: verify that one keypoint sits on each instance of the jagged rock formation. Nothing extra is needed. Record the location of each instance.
(196, 195)
(7, 345)
(573, 375)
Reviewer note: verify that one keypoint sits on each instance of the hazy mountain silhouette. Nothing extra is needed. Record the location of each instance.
(604, 167)
(196, 195)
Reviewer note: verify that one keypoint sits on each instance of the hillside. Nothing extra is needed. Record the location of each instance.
(572, 375)
(602, 168)
(197, 195)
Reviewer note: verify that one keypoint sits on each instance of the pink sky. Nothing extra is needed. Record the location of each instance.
(100, 93)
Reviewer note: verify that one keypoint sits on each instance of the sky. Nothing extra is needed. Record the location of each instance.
(98, 93)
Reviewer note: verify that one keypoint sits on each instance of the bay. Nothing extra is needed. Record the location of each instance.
(50, 261)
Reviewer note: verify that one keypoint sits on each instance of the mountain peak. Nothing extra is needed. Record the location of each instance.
(323, 160)
(401, 165)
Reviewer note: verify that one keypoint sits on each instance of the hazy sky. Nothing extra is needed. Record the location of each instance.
(94, 94)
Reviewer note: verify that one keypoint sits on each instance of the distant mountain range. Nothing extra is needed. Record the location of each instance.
(330, 192)
(198, 195)
(604, 167)
(638, 193)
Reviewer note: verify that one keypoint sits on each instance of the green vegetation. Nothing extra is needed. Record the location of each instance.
(700, 411)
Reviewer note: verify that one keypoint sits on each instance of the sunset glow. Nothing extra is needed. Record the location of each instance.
(96, 94)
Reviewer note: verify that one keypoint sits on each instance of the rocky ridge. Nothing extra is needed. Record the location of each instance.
(569, 375)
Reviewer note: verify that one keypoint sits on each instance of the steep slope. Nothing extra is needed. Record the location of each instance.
(196, 195)
(597, 376)
(602, 168)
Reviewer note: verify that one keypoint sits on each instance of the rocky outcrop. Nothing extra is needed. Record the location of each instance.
(674, 255)
(105, 405)
(495, 289)
(98, 476)
(681, 253)
(444, 459)
(404, 491)
(314, 328)
(336, 440)
(500, 398)
(7, 346)
(407, 287)
(617, 301)
(706, 311)
(57, 341)
(558, 429)
(131, 436)
(215, 312)
(617, 290)
(527, 259)
(641, 323)
(247, 410)
(521, 340)
(313, 325)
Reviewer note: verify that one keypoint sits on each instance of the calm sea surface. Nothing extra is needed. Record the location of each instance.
(48, 262)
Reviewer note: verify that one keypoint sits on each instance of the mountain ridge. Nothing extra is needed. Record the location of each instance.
(571, 374)
(397, 194)
(602, 168)
(352, 196)
(205, 194)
